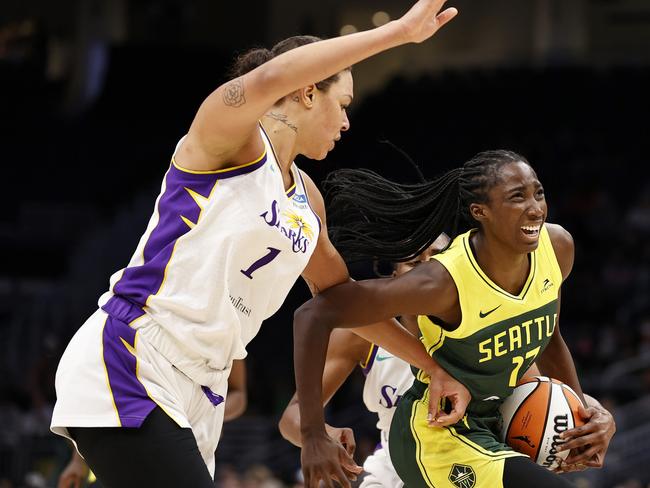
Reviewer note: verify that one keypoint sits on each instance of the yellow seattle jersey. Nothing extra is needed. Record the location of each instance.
(500, 334)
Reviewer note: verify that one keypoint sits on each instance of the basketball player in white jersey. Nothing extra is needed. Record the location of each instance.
(387, 378)
(141, 386)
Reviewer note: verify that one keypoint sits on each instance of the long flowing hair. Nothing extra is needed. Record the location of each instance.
(372, 217)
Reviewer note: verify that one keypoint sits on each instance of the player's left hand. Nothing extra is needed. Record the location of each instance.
(588, 443)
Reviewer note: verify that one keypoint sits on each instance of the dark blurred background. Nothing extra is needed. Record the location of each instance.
(83, 83)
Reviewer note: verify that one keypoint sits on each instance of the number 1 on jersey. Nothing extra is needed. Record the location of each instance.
(263, 261)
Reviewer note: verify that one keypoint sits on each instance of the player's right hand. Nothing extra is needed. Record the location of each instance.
(424, 19)
(443, 385)
(324, 459)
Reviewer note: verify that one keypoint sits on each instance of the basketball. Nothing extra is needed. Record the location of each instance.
(538, 411)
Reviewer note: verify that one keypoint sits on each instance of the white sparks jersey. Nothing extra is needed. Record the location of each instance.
(387, 379)
(219, 255)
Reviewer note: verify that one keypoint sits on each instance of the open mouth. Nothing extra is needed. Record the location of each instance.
(531, 230)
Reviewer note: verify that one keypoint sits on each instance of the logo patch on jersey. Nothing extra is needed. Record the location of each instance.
(485, 314)
(462, 476)
(547, 285)
(383, 358)
(293, 227)
(295, 221)
(300, 198)
(491, 398)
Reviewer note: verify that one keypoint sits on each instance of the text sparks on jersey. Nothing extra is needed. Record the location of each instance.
(294, 227)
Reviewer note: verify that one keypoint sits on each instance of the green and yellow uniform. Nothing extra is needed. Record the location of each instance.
(498, 339)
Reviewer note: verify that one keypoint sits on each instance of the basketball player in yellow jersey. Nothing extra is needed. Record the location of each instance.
(488, 307)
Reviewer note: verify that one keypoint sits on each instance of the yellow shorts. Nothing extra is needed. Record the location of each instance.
(466, 455)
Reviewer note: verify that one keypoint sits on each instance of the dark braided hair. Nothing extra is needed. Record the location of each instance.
(253, 58)
(373, 217)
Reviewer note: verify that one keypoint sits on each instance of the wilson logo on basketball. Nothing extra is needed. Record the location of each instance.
(560, 424)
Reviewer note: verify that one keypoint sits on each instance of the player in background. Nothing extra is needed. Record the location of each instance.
(387, 379)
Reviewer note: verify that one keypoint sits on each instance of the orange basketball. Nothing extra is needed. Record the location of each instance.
(538, 411)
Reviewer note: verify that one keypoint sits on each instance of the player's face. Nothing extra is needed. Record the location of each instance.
(329, 118)
(517, 208)
(438, 245)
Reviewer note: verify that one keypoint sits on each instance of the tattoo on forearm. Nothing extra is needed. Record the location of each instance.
(282, 118)
(233, 93)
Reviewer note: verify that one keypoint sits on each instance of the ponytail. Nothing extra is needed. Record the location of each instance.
(373, 217)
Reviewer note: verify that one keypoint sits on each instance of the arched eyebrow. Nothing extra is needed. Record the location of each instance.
(522, 188)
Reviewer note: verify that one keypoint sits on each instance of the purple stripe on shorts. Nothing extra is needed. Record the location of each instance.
(139, 282)
(131, 399)
(214, 398)
(122, 309)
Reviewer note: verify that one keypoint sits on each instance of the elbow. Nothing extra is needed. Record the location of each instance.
(283, 426)
(288, 427)
(311, 314)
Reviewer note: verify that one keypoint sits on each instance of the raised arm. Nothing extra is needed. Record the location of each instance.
(224, 132)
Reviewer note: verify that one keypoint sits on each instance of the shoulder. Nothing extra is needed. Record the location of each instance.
(433, 280)
(563, 247)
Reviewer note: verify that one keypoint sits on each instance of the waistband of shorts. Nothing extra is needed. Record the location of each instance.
(475, 408)
(190, 364)
(123, 309)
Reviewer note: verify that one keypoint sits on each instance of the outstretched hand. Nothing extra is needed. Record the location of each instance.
(424, 19)
(443, 385)
(324, 459)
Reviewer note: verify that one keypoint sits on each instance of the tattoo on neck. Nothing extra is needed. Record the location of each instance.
(233, 93)
(284, 118)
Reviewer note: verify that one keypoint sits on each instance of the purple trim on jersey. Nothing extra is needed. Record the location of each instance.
(238, 171)
(366, 369)
(214, 398)
(139, 282)
(292, 191)
(308, 202)
(122, 309)
(131, 399)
